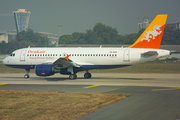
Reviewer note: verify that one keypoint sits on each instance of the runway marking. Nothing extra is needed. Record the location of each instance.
(92, 86)
(3, 84)
(165, 89)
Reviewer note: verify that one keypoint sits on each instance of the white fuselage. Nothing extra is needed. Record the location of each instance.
(111, 57)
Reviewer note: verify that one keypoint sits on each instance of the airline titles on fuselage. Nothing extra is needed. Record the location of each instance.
(37, 54)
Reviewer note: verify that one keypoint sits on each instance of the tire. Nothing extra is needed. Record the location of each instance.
(72, 76)
(87, 75)
(26, 76)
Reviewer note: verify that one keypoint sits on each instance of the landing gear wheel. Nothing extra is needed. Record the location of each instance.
(27, 73)
(87, 75)
(26, 76)
(72, 76)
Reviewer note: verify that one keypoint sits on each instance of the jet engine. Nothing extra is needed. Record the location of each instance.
(46, 70)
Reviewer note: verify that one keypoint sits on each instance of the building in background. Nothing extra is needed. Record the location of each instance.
(9, 35)
(144, 24)
(174, 25)
(21, 17)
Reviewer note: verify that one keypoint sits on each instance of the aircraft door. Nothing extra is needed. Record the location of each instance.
(126, 56)
(22, 57)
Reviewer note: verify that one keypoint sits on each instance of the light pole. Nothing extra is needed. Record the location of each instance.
(59, 30)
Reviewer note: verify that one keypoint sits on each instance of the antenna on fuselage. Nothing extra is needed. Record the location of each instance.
(100, 46)
(29, 46)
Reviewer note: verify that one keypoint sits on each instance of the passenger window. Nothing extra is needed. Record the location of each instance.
(53, 54)
(104, 54)
(109, 54)
(83, 54)
(27, 54)
(30, 54)
(40, 54)
(115, 55)
(45, 54)
(101, 54)
(77, 54)
(88, 55)
(59, 54)
(93, 54)
(96, 54)
(112, 54)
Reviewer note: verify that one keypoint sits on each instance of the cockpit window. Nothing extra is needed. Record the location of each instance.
(12, 54)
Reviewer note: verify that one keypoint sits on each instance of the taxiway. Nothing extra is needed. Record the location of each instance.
(153, 96)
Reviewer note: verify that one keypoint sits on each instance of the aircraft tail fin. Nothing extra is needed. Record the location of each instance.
(152, 36)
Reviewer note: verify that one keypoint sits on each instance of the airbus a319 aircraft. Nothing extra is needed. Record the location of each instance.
(69, 61)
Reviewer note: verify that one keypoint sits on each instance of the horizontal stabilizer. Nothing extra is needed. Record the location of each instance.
(149, 54)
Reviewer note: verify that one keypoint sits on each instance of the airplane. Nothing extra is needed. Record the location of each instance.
(69, 61)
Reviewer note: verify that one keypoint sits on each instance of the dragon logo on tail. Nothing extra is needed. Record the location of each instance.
(152, 34)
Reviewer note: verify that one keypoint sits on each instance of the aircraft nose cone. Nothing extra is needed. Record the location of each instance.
(5, 61)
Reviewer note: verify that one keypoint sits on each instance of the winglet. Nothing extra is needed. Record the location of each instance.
(152, 36)
(67, 57)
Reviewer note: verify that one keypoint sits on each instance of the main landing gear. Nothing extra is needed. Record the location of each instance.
(74, 76)
(87, 75)
(27, 73)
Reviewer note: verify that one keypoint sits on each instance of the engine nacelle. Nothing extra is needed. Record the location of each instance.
(44, 70)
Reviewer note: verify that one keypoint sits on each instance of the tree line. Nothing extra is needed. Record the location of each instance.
(23, 40)
(100, 34)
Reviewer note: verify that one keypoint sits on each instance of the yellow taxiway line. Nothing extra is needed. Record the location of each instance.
(165, 89)
(2, 83)
(92, 86)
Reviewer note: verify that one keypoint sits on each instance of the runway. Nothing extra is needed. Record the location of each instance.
(153, 96)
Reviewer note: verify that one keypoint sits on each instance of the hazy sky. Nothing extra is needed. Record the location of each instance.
(80, 15)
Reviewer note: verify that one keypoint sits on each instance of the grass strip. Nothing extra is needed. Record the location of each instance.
(25, 105)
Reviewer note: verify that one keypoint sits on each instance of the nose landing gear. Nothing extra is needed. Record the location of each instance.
(27, 73)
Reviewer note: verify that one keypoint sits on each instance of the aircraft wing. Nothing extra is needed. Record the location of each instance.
(65, 62)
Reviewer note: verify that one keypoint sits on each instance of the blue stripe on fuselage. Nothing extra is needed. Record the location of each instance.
(84, 67)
